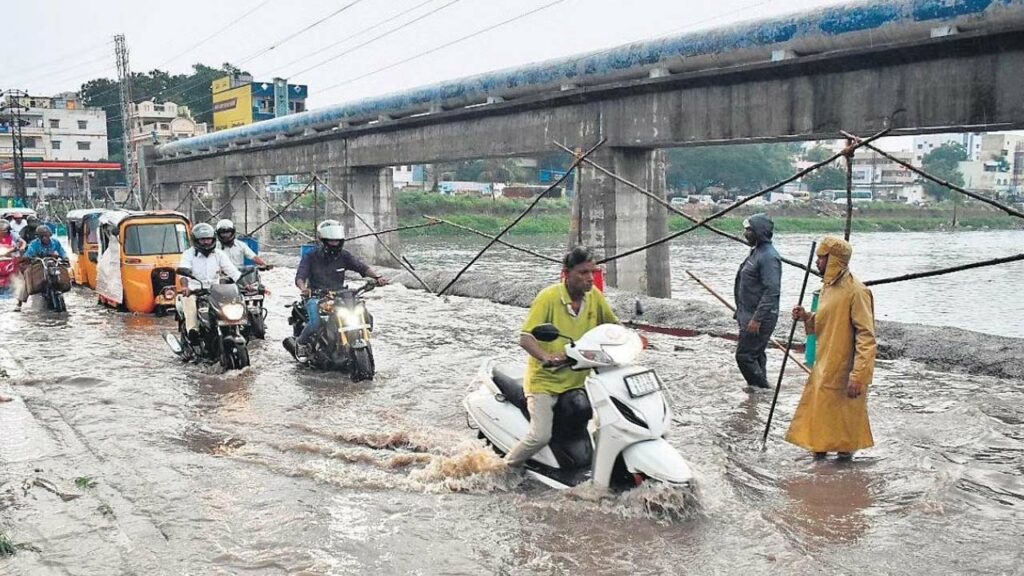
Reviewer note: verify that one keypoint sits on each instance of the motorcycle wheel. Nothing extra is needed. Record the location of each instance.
(257, 327)
(362, 364)
(241, 356)
(227, 358)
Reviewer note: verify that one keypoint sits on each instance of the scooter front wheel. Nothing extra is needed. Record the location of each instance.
(362, 364)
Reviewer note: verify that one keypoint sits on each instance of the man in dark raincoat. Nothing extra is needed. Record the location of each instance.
(757, 299)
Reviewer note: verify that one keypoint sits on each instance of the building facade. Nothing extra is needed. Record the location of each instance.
(971, 141)
(159, 123)
(238, 100)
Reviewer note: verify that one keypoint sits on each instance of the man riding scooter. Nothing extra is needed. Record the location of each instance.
(574, 307)
(43, 245)
(323, 269)
(205, 264)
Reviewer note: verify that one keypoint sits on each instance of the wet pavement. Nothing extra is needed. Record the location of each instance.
(282, 470)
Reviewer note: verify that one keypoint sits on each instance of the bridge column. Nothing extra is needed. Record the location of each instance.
(614, 218)
(170, 195)
(237, 202)
(371, 192)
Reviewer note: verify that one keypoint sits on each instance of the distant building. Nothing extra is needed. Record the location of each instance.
(159, 123)
(238, 101)
(881, 176)
(971, 141)
(408, 175)
(63, 142)
(999, 169)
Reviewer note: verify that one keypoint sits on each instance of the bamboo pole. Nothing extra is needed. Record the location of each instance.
(961, 268)
(575, 163)
(390, 230)
(283, 208)
(849, 192)
(266, 201)
(736, 205)
(729, 305)
(939, 181)
(499, 241)
(675, 210)
(789, 346)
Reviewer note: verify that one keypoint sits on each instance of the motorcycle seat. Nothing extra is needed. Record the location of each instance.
(511, 388)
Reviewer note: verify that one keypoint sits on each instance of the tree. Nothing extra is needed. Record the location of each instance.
(943, 163)
(747, 167)
(817, 154)
(826, 178)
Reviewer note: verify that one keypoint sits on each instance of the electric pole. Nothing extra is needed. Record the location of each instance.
(13, 105)
(124, 78)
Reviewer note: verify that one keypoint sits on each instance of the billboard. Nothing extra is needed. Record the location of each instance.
(232, 107)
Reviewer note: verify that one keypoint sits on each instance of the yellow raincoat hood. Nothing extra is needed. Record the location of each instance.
(839, 252)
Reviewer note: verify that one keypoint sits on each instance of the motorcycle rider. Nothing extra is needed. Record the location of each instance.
(44, 245)
(236, 251)
(28, 232)
(17, 223)
(8, 237)
(319, 270)
(206, 263)
(574, 307)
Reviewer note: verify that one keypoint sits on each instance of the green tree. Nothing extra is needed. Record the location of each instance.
(747, 167)
(943, 163)
(826, 178)
(817, 154)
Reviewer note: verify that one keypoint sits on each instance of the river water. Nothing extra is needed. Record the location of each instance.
(984, 300)
(281, 470)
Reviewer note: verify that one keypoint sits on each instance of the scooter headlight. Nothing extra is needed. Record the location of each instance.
(233, 312)
(351, 317)
(597, 356)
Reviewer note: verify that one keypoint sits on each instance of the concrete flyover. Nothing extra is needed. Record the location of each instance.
(912, 66)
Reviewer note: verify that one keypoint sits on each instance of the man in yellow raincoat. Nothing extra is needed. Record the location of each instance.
(833, 412)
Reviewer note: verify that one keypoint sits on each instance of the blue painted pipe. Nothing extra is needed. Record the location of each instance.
(845, 26)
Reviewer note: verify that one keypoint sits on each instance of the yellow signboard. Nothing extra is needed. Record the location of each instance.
(232, 107)
(220, 84)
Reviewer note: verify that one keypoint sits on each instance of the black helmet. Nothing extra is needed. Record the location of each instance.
(226, 232)
(331, 235)
(204, 239)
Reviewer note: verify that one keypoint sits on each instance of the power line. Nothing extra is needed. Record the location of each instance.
(251, 57)
(442, 46)
(218, 32)
(375, 38)
(71, 56)
(62, 71)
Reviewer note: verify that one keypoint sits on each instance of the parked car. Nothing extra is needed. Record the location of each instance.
(678, 201)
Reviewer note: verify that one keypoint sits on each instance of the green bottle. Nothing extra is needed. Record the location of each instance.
(812, 339)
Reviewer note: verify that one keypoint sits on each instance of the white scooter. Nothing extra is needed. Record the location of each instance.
(624, 446)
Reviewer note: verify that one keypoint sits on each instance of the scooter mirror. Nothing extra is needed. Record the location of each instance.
(638, 307)
(545, 332)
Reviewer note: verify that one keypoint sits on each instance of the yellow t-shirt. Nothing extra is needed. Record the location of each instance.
(553, 306)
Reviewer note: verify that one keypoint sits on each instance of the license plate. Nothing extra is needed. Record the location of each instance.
(643, 383)
(255, 297)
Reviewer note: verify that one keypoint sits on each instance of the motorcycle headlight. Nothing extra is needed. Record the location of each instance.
(233, 312)
(351, 317)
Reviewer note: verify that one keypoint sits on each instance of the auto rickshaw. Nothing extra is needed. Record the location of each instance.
(139, 256)
(84, 239)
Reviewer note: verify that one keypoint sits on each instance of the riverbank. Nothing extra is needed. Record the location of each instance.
(552, 216)
(938, 348)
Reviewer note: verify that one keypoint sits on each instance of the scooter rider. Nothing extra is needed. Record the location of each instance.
(236, 251)
(8, 238)
(319, 270)
(206, 264)
(574, 307)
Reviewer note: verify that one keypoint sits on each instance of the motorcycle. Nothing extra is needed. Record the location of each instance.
(8, 266)
(253, 295)
(342, 341)
(220, 331)
(622, 403)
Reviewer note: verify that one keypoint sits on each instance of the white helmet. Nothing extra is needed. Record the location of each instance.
(226, 231)
(331, 235)
(204, 238)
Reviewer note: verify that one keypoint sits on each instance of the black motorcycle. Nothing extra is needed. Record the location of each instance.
(56, 281)
(220, 332)
(253, 295)
(342, 342)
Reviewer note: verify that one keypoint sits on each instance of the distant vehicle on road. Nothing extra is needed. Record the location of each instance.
(857, 196)
(678, 201)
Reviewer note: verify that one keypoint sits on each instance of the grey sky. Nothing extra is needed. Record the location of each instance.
(57, 44)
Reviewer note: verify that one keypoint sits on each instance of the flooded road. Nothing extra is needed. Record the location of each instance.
(282, 470)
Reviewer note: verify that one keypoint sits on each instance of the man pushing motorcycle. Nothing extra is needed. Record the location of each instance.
(324, 269)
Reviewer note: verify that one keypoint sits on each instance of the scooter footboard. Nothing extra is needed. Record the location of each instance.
(658, 460)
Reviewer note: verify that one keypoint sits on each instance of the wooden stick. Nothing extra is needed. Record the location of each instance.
(849, 194)
(736, 205)
(522, 215)
(789, 346)
(729, 305)
(931, 273)
(390, 230)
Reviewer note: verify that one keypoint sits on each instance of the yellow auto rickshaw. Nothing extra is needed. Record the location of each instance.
(140, 252)
(84, 238)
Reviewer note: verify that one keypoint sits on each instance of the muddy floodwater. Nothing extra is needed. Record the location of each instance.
(282, 470)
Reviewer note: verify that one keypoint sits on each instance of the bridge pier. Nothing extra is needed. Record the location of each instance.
(371, 193)
(614, 218)
(240, 205)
